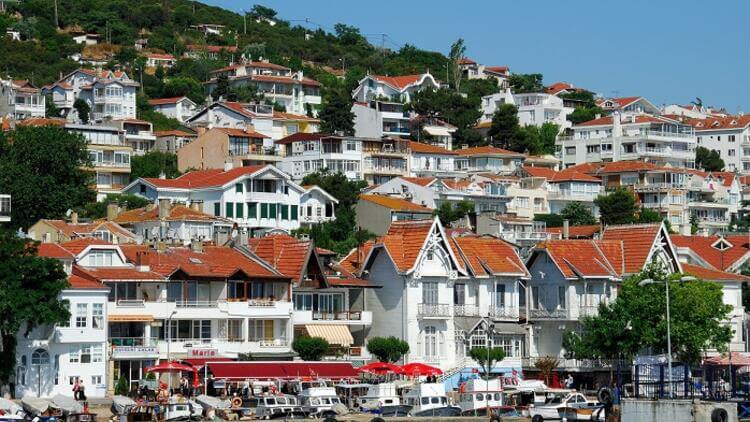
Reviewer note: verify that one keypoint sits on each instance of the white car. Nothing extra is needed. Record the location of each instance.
(574, 406)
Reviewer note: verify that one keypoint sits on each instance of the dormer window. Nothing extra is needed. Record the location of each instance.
(101, 258)
(722, 244)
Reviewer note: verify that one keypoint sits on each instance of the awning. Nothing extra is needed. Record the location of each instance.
(282, 370)
(334, 334)
(509, 328)
(199, 362)
(130, 318)
(437, 131)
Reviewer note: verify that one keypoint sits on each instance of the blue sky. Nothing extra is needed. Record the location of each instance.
(667, 51)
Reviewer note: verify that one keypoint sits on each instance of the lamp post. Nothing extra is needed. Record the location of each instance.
(169, 340)
(646, 282)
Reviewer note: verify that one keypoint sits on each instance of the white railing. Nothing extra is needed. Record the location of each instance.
(575, 196)
(109, 164)
(278, 342)
(542, 313)
(504, 312)
(588, 310)
(465, 310)
(196, 303)
(530, 362)
(338, 316)
(660, 185)
(433, 310)
(131, 303)
(262, 303)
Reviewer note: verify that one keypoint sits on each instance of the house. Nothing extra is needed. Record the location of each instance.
(426, 160)
(376, 213)
(61, 231)
(628, 105)
(316, 206)
(154, 60)
(566, 186)
(693, 111)
(178, 223)
(86, 38)
(209, 28)
(729, 136)
(305, 153)
(110, 156)
(278, 84)
(397, 89)
(234, 115)
(384, 158)
(137, 134)
(534, 109)
(438, 293)
(619, 137)
(727, 253)
(213, 52)
(418, 190)
(179, 108)
(5, 208)
(172, 140)
(285, 124)
(473, 70)
(375, 119)
(219, 146)
(521, 231)
(257, 198)
(487, 159)
(436, 132)
(19, 100)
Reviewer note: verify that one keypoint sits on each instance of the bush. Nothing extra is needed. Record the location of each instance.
(310, 348)
(387, 349)
(121, 387)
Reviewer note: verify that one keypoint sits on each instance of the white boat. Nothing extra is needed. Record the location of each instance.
(574, 406)
(181, 409)
(271, 406)
(429, 399)
(478, 396)
(383, 399)
(319, 401)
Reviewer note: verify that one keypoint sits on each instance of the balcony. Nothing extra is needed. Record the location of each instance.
(660, 186)
(336, 318)
(572, 196)
(530, 362)
(433, 310)
(396, 130)
(110, 164)
(384, 170)
(541, 313)
(504, 312)
(513, 237)
(588, 310)
(196, 309)
(196, 304)
(466, 310)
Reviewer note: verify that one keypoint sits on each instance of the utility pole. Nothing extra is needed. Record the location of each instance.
(244, 21)
(57, 22)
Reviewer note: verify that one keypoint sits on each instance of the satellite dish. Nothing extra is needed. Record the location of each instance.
(68, 212)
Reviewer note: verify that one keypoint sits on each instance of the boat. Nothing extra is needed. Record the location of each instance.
(573, 406)
(39, 407)
(319, 401)
(213, 406)
(478, 397)
(181, 409)
(126, 410)
(272, 406)
(429, 399)
(9, 410)
(351, 393)
(383, 399)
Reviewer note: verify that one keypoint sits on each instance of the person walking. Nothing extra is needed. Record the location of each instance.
(76, 388)
(81, 391)
(569, 382)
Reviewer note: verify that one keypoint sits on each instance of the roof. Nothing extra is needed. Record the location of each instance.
(497, 69)
(711, 274)
(281, 115)
(86, 229)
(404, 241)
(585, 258)
(160, 56)
(421, 181)
(263, 65)
(282, 370)
(287, 254)
(423, 148)
(702, 246)
(577, 232)
(42, 121)
(486, 255)
(171, 100)
(487, 150)
(175, 132)
(466, 60)
(557, 87)
(111, 274)
(77, 245)
(211, 48)
(719, 123)
(302, 136)
(456, 184)
(242, 133)
(572, 175)
(177, 212)
(77, 282)
(627, 166)
(637, 241)
(621, 102)
(53, 250)
(204, 178)
(544, 172)
(285, 80)
(398, 82)
(395, 204)
(639, 119)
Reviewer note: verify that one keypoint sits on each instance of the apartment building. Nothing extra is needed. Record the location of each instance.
(376, 213)
(376, 118)
(473, 70)
(305, 153)
(384, 158)
(109, 94)
(217, 147)
(138, 134)
(439, 293)
(628, 105)
(172, 140)
(317, 206)
(564, 187)
(285, 124)
(154, 60)
(729, 136)
(257, 198)
(399, 89)
(417, 190)
(618, 137)
(19, 100)
(278, 84)
(534, 109)
(179, 108)
(487, 159)
(234, 115)
(427, 160)
(110, 156)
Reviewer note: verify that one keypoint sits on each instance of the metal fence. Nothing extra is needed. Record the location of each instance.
(652, 381)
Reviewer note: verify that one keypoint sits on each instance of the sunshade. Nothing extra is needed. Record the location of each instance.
(417, 369)
(379, 368)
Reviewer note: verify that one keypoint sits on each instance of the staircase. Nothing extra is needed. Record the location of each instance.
(460, 365)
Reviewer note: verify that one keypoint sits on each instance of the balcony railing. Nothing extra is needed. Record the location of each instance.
(465, 310)
(132, 341)
(588, 310)
(109, 164)
(278, 342)
(530, 362)
(338, 316)
(131, 303)
(541, 313)
(660, 186)
(433, 310)
(504, 312)
(196, 304)
(396, 129)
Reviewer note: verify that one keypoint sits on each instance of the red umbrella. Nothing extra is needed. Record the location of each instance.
(417, 369)
(379, 368)
(172, 366)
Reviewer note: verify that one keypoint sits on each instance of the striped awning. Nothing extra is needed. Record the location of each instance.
(130, 318)
(335, 334)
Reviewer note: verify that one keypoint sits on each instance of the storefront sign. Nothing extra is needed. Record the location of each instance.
(129, 352)
(203, 353)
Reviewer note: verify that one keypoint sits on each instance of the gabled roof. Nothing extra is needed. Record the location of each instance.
(87, 229)
(175, 132)
(395, 204)
(172, 100)
(710, 274)
(627, 166)
(404, 241)
(720, 123)
(242, 133)
(544, 172)
(730, 259)
(177, 212)
(81, 282)
(398, 82)
(639, 243)
(501, 70)
(488, 150)
(456, 184)
(577, 232)
(557, 87)
(485, 255)
(287, 254)
(585, 258)
(302, 136)
(53, 250)
(77, 245)
(201, 179)
(114, 274)
(422, 148)
(211, 48)
(421, 181)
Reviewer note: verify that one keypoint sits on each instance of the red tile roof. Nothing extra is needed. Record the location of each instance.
(77, 246)
(200, 179)
(738, 253)
(42, 121)
(395, 204)
(720, 123)
(211, 48)
(637, 240)
(421, 181)
(287, 254)
(398, 82)
(557, 87)
(585, 258)
(404, 241)
(710, 274)
(161, 101)
(497, 69)
(243, 133)
(569, 175)
(302, 136)
(175, 132)
(109, 274)
(485, 255)
(53, 250)
(627, 166)
(160, 56)
(487, 150)
(77, 282)
(454, 184)
(176, 213)
(577, 232)
(423, 148)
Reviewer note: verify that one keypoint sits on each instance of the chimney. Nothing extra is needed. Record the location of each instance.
(150, 207)
(74, 218)
(616, 126)
(228, 165)
(162, 175)
(112, 211)
(142, 261)
(164, 208)
(196, 205)
(464, 146)
(598, 116)
(196, 246)
(566, 229)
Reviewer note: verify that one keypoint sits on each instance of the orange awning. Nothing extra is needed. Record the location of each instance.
(131, 318)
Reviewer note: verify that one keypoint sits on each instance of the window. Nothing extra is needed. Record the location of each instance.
(238, 188)
(81, 315)
(459, 294)
(100, 258)
(284, 212)
(732, 152)
(264, 210)
(240, 211)
(294, 212)
(229, 207)
(731, 138)
(217, 209)
(252, 210)
(86, 354)
(74, 356)
(430, 341)
(499, 298)
(535, 297)
(97, 316)
(430, 293)
(561, 298)
(40, 357)
(272, 211)
(96, 380)
(57, 369)
(260, 329)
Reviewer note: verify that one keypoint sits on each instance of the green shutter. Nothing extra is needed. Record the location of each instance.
(285, 212)
(263, 210)
(240, 213)
(217, 209)
(238, 187)
(252, 210)
(295, 213)
(230, 209)
(272, 211)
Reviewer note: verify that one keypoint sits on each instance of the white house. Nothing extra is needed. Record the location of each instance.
(729, 136)
(306, 153)
(427, 160)
(393, 88)
(158, 59)
(534, 109)
(487, 159)
(234, 115)
(316, 206)
(179, 108)
(19, 100)
(375, 119)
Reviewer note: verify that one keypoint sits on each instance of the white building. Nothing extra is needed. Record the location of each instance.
(435, 293)
(534, 109)
(427, 160)
(306, 153)
(487, 159)
(564, 187)
(375, 119)
(19, 100)
(157, 59)
(398, 89)
(729, 136)
(179, 108)
(233, 115)
(255, 197)
(473, 70)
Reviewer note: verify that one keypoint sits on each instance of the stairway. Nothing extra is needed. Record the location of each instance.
(460, 365)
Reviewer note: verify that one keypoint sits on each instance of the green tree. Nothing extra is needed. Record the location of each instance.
(222, 87)
(505, 130)
(449, 212)
(336, 113)
(617, 207)
(551, 220)
(50, 109)
(524, 83)
(457, 52)
(33, 168)
(708, 160)
(475, 89)
(539, 140)
(30, 296)
(481, 355)
(98, 209)
(183, 86)
(310, 348)
(449, 106)
(122, 388)
(387, 349)
(577, 214)
(82, 110)
(636, 320)
(152, 164)
(584, 114)
(647, 215)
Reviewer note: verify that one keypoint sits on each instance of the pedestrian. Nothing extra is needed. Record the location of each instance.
(210, 388)
(184, 387)
(76, 388)
(81, 391)
(569, 382)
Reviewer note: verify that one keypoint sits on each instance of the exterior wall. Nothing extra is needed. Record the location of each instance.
(431, 164)
(110, 156)
(733, 145)
(180, 110)
(387, 304)
(208, 151)
(299, 161)
(526, 202)
(560, 194)
(373, 217)
(313, 205)
(403, 189)
(31, 104)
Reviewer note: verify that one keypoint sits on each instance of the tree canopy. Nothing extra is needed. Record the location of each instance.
(449, 106)
(336, 113)
(505, 130)
(152, 164)
(487, 358)
(449, 212)
(617, 207)
(98, 209)
(577, 214)
(524, 83)
(387, 349)
(44, 162)
(708, 159)
(310, 348)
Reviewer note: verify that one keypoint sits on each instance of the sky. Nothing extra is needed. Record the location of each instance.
(667, 51)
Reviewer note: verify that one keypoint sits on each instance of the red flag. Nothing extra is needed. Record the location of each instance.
(474, 370)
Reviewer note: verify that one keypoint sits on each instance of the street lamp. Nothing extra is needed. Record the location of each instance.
(647, 282)
(169, 340)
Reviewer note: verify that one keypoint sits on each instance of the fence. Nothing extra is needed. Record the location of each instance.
(652, 381)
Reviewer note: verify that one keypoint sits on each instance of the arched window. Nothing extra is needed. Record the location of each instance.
(40, 357)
